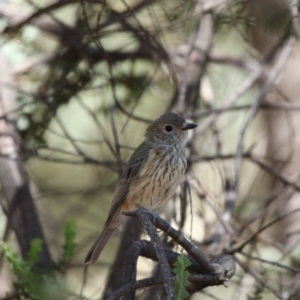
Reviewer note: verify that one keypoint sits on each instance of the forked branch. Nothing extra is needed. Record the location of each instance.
(204, 273)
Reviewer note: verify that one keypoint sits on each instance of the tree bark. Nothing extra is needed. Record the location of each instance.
(19, 204)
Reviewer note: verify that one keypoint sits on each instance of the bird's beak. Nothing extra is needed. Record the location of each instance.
(188, 126)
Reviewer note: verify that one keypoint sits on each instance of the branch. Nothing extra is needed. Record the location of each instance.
(176, 236)
(223, 265)
(144, 216)
(254, 109)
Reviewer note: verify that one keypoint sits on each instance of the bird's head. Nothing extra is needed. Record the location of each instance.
(169, 129)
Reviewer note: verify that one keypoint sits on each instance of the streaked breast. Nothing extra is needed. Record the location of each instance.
(159, 178)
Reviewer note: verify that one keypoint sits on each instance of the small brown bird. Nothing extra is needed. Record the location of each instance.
(151, 176)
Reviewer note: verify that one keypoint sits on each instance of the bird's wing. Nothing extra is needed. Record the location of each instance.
(131, 172)
(136, 162)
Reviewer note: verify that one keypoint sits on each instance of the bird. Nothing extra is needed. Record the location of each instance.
(151, 176)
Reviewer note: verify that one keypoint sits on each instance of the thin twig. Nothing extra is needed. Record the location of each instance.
(272, 263)
(241, 247)
(262, 282)
(244, 87)
(253, 111)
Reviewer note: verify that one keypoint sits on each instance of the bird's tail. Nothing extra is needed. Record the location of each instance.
(98, 245)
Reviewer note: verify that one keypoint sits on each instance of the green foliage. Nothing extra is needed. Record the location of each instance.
(181, 278)
(34, 252)
(30, 286)
(69, 240)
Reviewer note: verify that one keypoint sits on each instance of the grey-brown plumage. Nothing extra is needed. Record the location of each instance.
(151, 176)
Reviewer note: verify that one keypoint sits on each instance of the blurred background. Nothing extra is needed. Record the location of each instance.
(79, 83)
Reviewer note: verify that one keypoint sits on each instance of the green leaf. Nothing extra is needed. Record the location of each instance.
(69, 240)
(27, 282)
(181, 276)
(34, 251)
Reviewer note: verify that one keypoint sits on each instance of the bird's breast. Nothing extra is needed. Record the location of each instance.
(159, 178)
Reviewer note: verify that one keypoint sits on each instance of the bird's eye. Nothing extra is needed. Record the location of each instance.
(168, 128)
